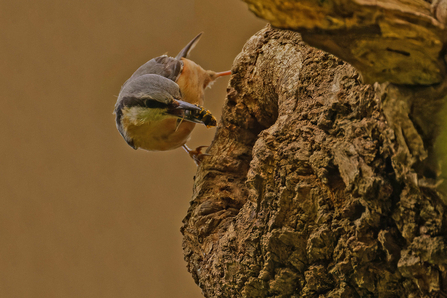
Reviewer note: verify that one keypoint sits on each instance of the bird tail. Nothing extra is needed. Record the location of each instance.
(185, 51)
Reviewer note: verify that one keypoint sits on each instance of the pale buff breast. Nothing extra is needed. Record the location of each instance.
(160, 135)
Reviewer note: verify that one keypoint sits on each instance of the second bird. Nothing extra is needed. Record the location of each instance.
(159, 105)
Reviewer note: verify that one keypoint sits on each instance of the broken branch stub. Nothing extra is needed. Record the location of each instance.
(397, 41)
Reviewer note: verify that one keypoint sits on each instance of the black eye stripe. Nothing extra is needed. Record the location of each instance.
(141, 102)
(153, 104)
(130, 102)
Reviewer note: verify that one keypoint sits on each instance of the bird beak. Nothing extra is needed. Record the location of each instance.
(186, 111)
(186, 106)
(192, 113)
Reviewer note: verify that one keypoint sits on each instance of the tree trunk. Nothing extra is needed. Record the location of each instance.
(318, 185)
(400, 41)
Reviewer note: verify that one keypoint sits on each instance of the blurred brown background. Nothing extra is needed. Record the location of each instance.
(81, 213)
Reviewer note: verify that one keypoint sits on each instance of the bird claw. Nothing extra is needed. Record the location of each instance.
(196, 154)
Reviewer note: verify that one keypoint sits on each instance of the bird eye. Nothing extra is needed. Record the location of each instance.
(154, 104)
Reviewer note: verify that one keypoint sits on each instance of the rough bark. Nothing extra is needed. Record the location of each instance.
(310, 191)
(320, 185)
(399, 41)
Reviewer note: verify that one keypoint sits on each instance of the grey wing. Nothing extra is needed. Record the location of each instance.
(164, 66)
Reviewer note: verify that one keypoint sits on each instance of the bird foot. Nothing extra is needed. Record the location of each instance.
(196, 154)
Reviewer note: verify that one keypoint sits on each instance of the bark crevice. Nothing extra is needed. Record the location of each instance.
(314, 192)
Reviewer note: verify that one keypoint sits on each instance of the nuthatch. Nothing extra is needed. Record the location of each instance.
(158, 107)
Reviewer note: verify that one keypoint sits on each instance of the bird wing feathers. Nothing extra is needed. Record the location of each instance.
(168, 67)
(164, 66)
